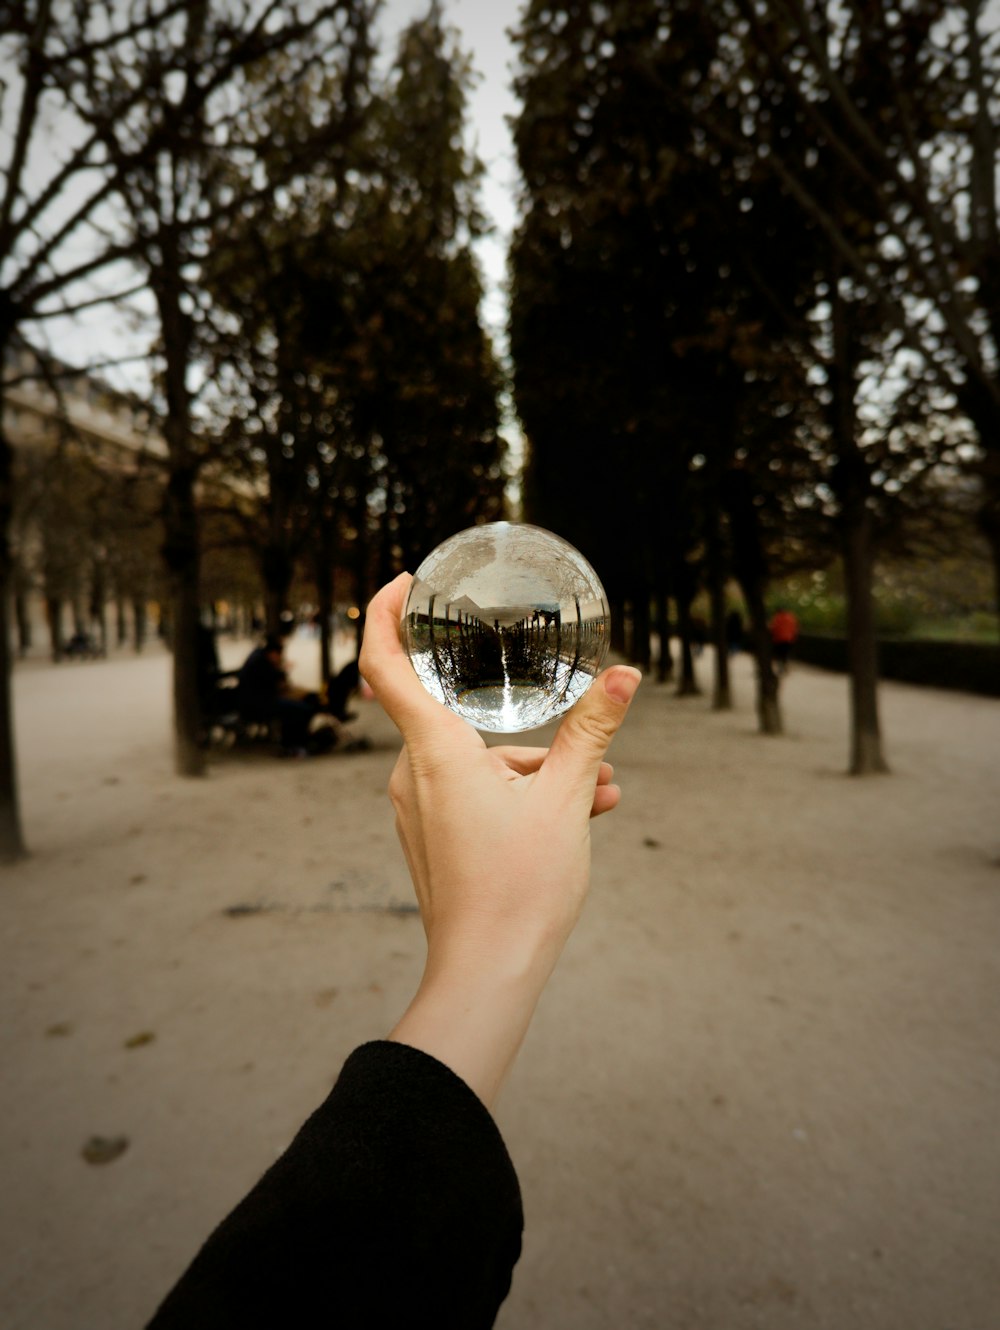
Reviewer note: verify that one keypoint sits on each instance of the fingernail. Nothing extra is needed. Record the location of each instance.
(622, 684)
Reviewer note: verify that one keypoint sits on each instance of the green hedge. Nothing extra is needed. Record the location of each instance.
(970, 667)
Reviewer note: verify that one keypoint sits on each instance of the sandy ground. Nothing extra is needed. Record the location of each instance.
(763, 1089)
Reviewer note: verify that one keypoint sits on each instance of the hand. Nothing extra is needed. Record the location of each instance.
(498, 845)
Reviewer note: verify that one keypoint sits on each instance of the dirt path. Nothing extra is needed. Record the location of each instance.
(763, 1089)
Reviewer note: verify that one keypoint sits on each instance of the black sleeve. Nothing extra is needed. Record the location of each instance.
(396, 1206)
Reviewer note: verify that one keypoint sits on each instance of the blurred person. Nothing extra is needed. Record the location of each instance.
(264, 694)
(784, 628)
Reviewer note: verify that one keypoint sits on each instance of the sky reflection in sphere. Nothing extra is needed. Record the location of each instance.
(507, 625)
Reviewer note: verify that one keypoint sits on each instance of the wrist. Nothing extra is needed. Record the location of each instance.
(472, 1011)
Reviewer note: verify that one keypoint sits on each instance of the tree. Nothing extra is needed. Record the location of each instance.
(791, 132)
(47, 201)
(431, 396)
(643, 320)
(361, 387)
(150, 100)
(169, 118)
(918, 140)
(658, 159)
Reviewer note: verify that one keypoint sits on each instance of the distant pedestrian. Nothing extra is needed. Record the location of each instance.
(264, 694)
(784, 631)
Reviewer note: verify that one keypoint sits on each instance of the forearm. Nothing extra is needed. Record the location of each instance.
(396, 1204)
(472, 1011)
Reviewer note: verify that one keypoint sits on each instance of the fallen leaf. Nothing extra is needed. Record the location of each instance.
(104, 1149)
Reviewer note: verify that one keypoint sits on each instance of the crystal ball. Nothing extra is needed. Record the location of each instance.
(507, 625)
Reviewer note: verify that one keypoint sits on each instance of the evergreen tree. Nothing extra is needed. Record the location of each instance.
(373, 418)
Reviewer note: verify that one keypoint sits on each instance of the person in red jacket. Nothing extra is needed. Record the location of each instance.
(784, 630)
(397, 1204)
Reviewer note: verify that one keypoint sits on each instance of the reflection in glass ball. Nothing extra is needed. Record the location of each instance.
(506, 624)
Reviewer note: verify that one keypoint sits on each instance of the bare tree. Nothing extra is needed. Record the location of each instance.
(49, 200)
(919, 136)
(171, 117)
(151, 101)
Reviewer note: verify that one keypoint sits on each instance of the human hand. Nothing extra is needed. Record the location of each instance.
(498, 845)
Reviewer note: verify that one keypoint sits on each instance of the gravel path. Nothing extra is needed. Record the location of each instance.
(763, 1089)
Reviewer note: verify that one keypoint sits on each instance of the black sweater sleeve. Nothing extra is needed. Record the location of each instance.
(396, 1206)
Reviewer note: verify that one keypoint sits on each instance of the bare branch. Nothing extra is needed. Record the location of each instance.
(65, 311)
(61, 280)
(34, 84)
(149, 23)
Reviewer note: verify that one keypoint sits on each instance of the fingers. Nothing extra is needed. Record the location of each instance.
(606, 797)
(385, 665)
(586, 731)
(576, 757)
(526, 761)
(401, 793)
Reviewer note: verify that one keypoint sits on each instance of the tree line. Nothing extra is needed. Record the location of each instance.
(755, 305)
(297, 222)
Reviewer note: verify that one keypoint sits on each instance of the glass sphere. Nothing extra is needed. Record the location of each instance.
(506, 624)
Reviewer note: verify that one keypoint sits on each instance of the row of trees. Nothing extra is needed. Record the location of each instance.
(85, 534)
(755, 289)
(756, 293)
(299, 228)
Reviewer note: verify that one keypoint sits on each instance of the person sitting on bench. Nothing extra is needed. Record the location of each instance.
(264, 694)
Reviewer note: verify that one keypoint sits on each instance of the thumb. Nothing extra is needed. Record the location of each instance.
(386, 668)
(586, 731)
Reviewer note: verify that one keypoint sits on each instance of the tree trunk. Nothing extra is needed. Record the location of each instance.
(99, 606)
(138, 623)
(665, 661)
(769, 718)
(687, 685)
(992, 531)
(751, 572)
(862, 646)
(362, 574)
(276, 571)
(54, 617)
(987, 423)
(618, 626)
(12, 844)
(851, 483)
(181, 554)
(640, 630)
(722, 697)
(181, 537)
(23, 619)
(324, 598)
(685, 589)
